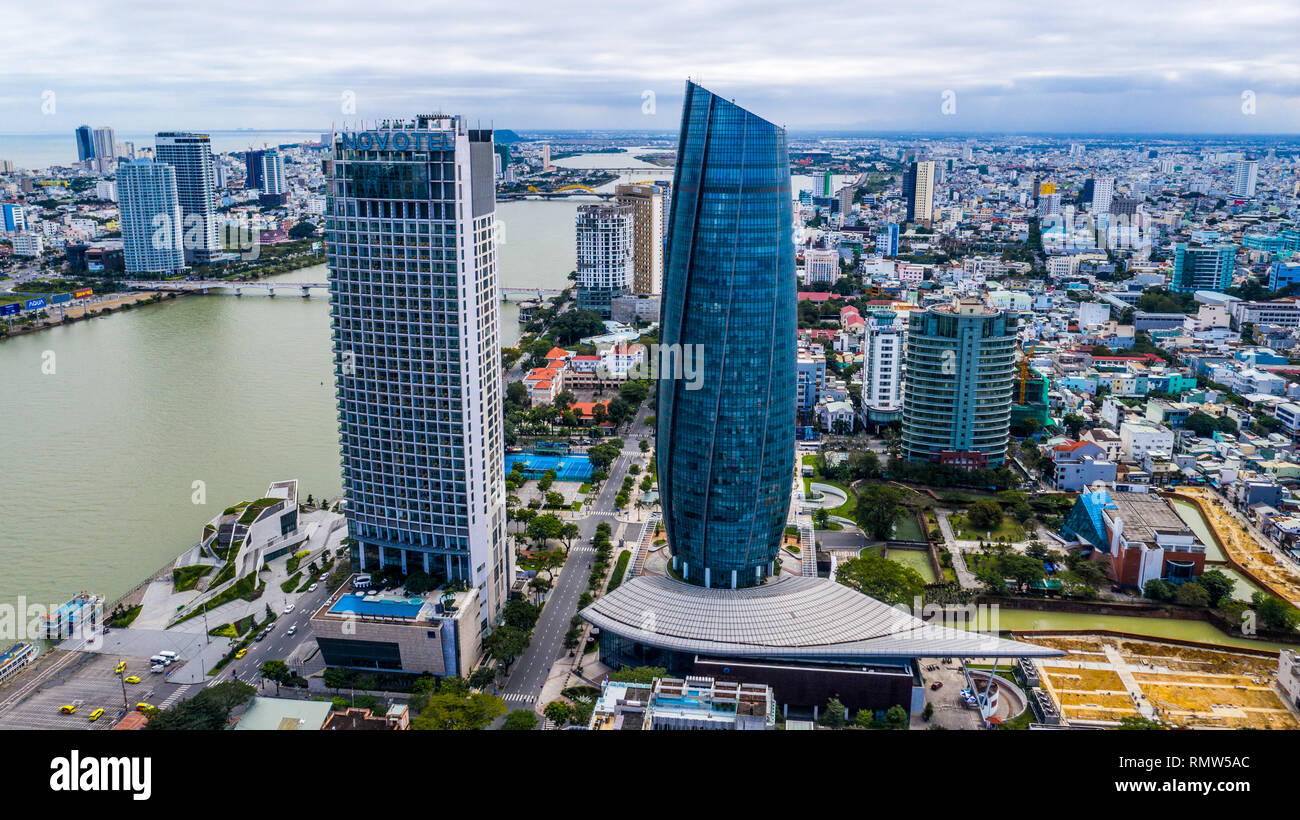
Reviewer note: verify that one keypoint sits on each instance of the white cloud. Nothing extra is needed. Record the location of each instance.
(1108, 65)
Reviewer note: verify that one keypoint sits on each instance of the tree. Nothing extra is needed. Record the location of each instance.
(1192, 594)
(1073, 424)
(506, 643)
(520, 614)
(419, 582)
(896, 717)
(985, 514)
(277, 671)
(559, 712)
(446, 712)
(483, 677)
(878, 507)
(882, 579)
(1139, 723)
(569, 532)
(545, 527)
(209, 710)
(1159, 590)
(520, 720)
(1274, 612)
(336, 678)
(835, 715)
(1218, 585)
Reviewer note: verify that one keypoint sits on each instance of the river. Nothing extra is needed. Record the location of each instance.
(100, 458)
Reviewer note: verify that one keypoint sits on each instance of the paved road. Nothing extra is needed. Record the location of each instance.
(529, 673)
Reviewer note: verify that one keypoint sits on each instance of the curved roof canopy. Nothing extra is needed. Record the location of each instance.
(795, 617)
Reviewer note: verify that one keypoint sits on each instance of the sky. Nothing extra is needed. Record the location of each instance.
(1096, 67)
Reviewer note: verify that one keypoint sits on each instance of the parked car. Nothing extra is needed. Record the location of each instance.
(288, 609)
(241, 653)
(120, 668)
(937, 685)
(312, 588)
(261, 636)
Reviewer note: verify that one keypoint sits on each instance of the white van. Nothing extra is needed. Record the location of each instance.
(171, 656)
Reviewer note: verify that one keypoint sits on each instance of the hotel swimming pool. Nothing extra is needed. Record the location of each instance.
(378, 607)
(571, 467)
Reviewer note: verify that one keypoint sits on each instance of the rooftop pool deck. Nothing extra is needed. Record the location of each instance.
(379, 607)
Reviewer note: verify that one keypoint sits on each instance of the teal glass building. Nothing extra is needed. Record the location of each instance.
(1203, 267)
(726, 440)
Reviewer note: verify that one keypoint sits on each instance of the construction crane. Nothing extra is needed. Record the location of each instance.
(1024, 368)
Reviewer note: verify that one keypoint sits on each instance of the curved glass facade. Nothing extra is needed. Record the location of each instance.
(726, 440)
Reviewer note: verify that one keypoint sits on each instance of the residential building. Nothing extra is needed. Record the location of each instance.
(85, 143)
(28, 244)
(420, 395)
(1245, 174)
(883, 343)
(692, 704)
(150, 217)
(1137, 438)
(650, 221)
(887, 239)
(434, 632)
(1078, 465)
(606, 236)
(960, 384)
(918, 191)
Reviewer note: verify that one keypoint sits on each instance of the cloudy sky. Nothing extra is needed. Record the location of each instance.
(1101, 66)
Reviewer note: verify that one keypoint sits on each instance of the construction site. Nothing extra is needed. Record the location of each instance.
(1105, 678)
(1249, 552)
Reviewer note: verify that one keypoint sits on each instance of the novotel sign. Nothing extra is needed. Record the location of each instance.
(394, 140)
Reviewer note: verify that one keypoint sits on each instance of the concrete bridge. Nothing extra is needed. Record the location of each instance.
(209, 285)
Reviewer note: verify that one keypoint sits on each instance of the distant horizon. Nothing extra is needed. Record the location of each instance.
(791, 131)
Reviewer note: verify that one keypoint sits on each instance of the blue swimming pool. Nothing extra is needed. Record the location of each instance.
(377, 608)
(570, 467)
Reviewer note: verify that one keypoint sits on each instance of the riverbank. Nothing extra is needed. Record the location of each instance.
(114, 301)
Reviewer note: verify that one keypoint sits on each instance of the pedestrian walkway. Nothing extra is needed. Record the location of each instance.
(176, 695)
(519, 697)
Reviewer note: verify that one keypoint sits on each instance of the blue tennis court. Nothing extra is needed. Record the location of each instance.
(382, 608)
(570, 467)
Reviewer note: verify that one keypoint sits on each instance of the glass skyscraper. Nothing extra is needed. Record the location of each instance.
(409, 224)
(85, 143)
(726, 449)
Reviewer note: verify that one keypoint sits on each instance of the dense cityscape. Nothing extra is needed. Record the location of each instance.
(418, 420)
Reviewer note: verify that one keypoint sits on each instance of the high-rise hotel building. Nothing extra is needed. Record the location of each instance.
(409, 224)
(196, 183)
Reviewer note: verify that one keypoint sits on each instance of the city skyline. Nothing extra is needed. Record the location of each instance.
(1007, 69)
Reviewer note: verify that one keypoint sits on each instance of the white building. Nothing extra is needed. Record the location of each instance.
(1245, 174)
(606, 236)
(28, 244)
(884, 338)
(821, 265)
(1138, 438)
